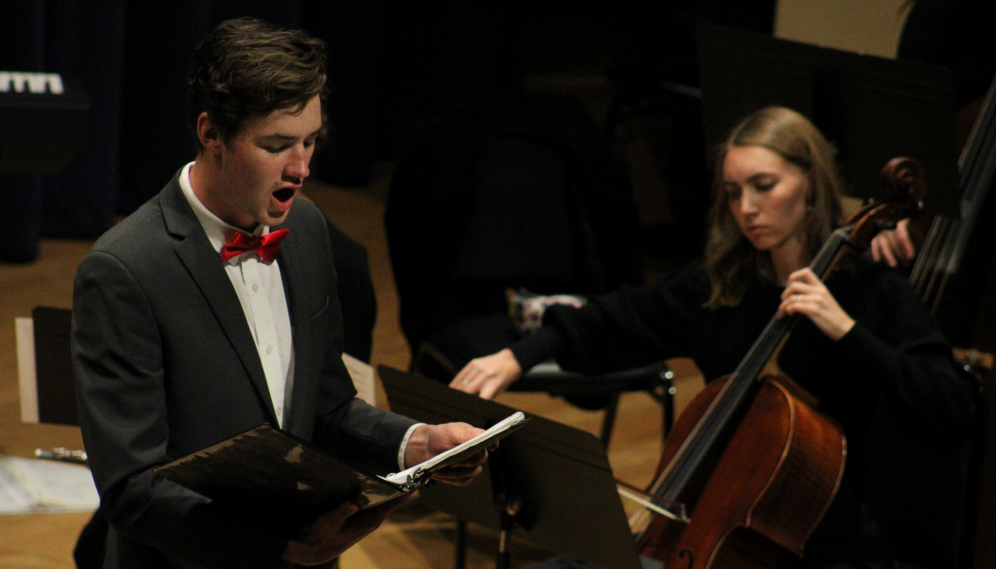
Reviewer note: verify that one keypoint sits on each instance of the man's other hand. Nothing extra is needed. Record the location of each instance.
(429, 440)
(336, 531)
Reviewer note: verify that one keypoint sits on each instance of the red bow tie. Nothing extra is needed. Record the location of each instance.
(266, 246)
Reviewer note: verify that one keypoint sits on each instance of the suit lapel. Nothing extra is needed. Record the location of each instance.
(290, 260)
(200, 260)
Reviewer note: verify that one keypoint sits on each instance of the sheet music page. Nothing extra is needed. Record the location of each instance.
(362, 375)
(459, 452)
(48, 485)
(24, 333)
(14, 498)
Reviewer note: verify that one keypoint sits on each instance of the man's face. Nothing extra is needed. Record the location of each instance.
(264, 164)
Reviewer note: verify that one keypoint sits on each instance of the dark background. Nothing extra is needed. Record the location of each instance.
(393, 65)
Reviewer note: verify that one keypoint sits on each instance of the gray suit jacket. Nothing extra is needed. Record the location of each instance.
(166, 365)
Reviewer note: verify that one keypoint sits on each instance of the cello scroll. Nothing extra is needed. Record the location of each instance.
(906, 181)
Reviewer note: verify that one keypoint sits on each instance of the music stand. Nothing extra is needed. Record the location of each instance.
(551, 480)
(871, 108)
(45, 367)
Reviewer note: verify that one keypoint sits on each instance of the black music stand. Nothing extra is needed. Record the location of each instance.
(53, 394)
(871, 108)
(551, 480)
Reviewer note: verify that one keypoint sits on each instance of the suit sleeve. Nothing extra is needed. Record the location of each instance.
(122, 398)
(349, 427)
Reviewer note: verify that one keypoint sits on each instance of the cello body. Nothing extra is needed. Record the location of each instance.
(782, 450)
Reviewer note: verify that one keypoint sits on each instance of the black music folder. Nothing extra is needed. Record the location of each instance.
(568, 492)
(277, 471)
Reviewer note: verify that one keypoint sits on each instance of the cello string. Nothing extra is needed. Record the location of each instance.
(938, 280)
(944, 259)
(979, 175)
(929, 258)
(934, 261)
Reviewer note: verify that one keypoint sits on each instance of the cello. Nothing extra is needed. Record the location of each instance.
(751, 466)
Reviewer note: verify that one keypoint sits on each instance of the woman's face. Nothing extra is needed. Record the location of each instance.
(767, 196)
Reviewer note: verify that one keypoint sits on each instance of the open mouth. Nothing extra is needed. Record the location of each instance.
(283, 194)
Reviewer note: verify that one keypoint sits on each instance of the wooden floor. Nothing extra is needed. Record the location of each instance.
(414, 537)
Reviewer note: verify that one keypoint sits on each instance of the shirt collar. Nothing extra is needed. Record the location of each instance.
(218, 232)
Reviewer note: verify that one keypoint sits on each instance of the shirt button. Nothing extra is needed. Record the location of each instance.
(280, 411)
(269, 349)
(255, 288)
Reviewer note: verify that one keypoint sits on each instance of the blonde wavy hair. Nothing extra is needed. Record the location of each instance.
(733, 264)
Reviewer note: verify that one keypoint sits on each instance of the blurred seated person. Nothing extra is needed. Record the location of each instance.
(894, 247)
(954, 34)
(866, 336)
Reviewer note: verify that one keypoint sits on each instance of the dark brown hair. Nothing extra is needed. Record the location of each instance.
(733, 264)
(248, 67)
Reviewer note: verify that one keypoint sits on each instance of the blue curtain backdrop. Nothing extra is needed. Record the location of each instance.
(21, 47)
(83, 42)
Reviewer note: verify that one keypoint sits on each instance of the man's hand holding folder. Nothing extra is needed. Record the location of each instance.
(429, 441)
(336, 531)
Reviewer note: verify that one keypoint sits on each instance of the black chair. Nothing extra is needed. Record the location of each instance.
(586, 391)
(506, 191)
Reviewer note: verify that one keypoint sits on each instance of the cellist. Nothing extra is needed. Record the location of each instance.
(865, 334)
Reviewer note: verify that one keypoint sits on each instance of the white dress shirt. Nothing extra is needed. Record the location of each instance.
(261, 293)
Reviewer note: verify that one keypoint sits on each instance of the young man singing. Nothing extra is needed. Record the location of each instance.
(213, 309)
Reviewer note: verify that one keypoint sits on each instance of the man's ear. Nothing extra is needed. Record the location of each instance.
(208, 134)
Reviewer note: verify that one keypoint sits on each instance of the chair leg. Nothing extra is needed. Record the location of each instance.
(460, 545)
(667, 401)
(609, 420)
